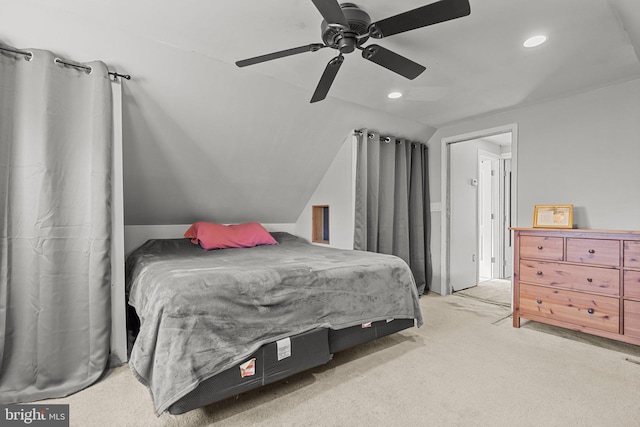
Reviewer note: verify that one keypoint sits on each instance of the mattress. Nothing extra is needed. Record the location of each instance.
(204, 312)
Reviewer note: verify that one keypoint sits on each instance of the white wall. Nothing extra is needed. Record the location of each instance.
(582, 149)
(336, 189)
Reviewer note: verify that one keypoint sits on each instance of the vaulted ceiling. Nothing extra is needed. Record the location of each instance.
(205, 139)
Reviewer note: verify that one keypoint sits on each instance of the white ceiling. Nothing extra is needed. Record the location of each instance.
(249, 137)
(502, 139)
(475, 64)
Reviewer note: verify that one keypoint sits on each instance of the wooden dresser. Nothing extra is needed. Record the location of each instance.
(585, 280)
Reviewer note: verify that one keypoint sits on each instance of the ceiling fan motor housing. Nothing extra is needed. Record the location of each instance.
(345, 40)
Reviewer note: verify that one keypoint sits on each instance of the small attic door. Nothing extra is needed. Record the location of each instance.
(320, 224)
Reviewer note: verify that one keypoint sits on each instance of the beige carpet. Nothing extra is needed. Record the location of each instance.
(496, 291)
(467, 366)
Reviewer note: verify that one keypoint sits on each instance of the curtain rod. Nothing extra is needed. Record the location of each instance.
(28, 55)
(372, 135)
(386, 139)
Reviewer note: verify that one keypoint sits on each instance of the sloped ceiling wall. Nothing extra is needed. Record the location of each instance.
(203, 139)
(233, 146)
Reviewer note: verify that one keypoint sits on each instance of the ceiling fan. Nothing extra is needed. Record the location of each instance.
(346, 27)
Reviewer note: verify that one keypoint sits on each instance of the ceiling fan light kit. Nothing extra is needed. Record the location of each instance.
(346, 28)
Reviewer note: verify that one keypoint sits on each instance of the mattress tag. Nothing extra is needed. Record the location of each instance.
(366, 325)
(248, 368)
(284, 348)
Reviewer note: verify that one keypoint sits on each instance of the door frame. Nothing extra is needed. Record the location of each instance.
(444, 181)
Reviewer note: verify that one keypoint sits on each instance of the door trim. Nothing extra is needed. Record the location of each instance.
(444, 181)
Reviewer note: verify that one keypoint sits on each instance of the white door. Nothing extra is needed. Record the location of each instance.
(463, 199)
(486, 219)
(507, 244)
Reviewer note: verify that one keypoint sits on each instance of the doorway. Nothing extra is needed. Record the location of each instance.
(478, 204)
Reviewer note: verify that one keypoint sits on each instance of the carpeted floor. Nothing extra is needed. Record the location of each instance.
(467, 366)
(495, 291)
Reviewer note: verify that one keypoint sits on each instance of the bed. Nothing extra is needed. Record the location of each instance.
(216, 323)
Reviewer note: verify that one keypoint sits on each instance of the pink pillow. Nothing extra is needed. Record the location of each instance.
(219, 236)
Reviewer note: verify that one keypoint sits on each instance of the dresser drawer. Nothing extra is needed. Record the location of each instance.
(539, 247)
(632, 318)
(593, 311)
(632, 284)
(594, 251)
(576, 277)
(632, 254)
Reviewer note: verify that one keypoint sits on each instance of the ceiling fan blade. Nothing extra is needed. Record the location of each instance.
(392, 61)
(281, 54)
(327, 79)
(331, 12)
(430, 14)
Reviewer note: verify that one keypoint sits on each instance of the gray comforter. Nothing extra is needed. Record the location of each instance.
(202, 312)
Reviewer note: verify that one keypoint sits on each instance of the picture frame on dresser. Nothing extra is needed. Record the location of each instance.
(553, 216)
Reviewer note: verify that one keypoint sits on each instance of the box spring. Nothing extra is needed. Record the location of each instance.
(309, 349)
(342, 339)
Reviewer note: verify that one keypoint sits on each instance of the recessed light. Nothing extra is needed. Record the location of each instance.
(394, 95)
(535, 41)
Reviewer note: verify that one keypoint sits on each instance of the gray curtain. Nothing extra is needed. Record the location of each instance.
(55, 191)
(392, 208)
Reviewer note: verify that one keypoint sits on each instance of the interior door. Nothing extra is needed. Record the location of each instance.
(507, 240)
(463, 222)
(486, 219)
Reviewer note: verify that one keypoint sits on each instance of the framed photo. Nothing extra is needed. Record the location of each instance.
(553, 216)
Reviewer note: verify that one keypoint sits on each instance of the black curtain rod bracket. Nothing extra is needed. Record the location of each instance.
(116, 75)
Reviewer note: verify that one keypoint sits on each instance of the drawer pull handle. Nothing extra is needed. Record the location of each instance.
(539, 301)
(590, 311)
(539, 273)
(589, 279)
(592, 251)
(539, 248)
